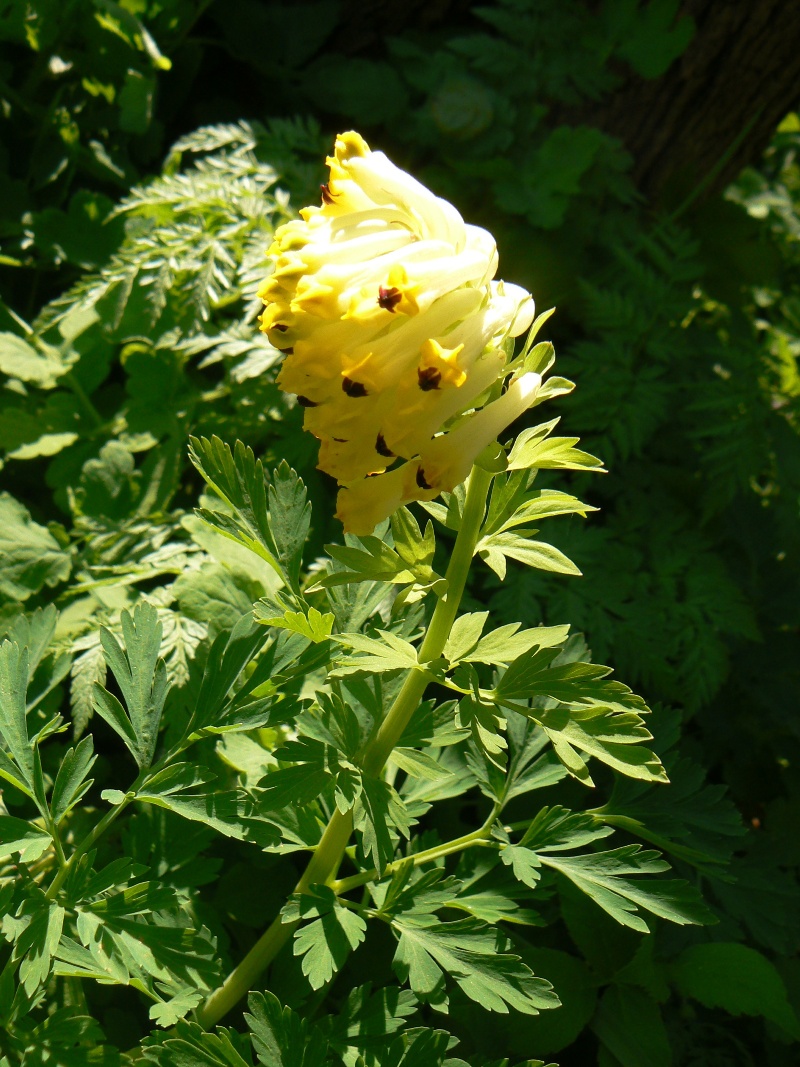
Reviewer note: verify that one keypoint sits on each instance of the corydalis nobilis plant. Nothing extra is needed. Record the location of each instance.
(384, 302)
(311, 733)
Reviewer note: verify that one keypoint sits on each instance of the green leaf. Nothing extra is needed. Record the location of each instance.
(369, 1015)
(20, 360)
(486, 726)
(138, 899)
(231, 812)
(467, 951)
(280, 1037)
(30, 557)
(530, 767)
(650, 38)
(227, 658)
(497, 548)
(392, 653)
(464, 636)
(581, 682)
(556, 829)
(534, 448)
(292, 785)
(611, 880)
(378, 811)
(694, 820)
(736, 978)
(71, 781)
(240, 480)
(610, 736)
(35, 632)
(193, 1047)
(418, 764)
(166, 1013)
(313, 624)
(13, 718)
(368, 559)
(504, 645)
(526, 671)
(289, 520)
(17, 835)
(629, 1024)
(552, 1031)
(544, 504)
(326, 942)
(603, 720)
(433, 726)
(526, 865)
(142, 678)
(37, 943)
(136, 102)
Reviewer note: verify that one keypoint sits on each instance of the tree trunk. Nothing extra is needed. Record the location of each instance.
(717, 106)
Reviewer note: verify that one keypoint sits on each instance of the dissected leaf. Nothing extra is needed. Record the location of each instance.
(467, 951)
(326, 941)
(142, 678)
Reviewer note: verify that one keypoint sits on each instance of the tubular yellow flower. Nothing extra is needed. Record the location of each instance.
(384, 302)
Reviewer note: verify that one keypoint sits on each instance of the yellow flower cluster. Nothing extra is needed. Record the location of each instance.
(384, 303)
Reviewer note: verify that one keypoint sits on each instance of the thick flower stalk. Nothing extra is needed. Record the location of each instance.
(384, 302)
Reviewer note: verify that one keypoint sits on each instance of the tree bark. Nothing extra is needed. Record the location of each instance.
(717, 106)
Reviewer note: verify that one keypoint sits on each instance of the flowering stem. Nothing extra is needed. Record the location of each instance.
(328, 854)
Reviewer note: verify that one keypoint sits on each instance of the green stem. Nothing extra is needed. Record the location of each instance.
(447, 848)
(85, 845)
(57, 846)
(328, 854)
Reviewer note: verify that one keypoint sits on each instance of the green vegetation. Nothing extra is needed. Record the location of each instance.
(188, 697)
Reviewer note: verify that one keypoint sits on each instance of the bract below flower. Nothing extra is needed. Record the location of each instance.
(384, 302)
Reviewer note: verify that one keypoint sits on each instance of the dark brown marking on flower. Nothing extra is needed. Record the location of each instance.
(428, 378)
(389, 298)
(382, 448)
(421, 479)
(327, 195)
(340, 440)
(287, 351)
(304, 402)
(352, 388)
(280, 327)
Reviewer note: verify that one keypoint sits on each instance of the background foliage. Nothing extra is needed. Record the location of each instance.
(149, 148)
